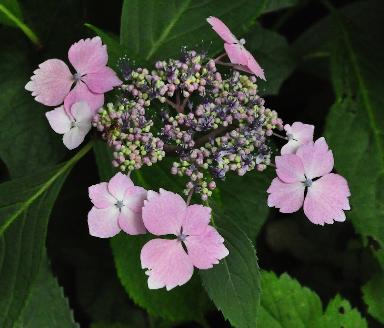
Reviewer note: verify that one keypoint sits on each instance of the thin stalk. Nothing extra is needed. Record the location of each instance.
(280, 136)
(219, 57)
(189, 196)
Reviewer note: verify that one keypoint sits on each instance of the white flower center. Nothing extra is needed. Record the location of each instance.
(74, 124)
(308, 182)
(77, 77)
(119, 205)
(181, 237)
(242, 41)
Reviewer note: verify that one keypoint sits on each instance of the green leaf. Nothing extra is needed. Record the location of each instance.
(157, 29)
(373, 295)
(233, 284)
(243, 200)
(285, 303)
(104, 158)
(355, 124)
(17, 196)
(47, 305)
(115, 50)
(185, 303)
(274, 5)
(10, 6)
(25, 206)
(274, 55)
(340, 314)
(11, 15)
(314, 45)
(27, 142)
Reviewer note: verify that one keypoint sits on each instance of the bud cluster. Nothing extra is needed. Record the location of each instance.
(211, 123)
(127, 131)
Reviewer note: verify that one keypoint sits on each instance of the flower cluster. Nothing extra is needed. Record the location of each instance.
(227, 132)
(212, 124)
(128, 132)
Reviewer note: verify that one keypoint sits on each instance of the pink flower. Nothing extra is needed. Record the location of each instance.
(117, 206)
(52, 81)
(237, 54)
(74, 125)
(326, 198)
(298, 134)
(168, 264)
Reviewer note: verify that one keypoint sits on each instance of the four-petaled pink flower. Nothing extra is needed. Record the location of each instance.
(237, 54)
(52, 81)
(326, 198)
(298, 134)
(167, 263)
(117, 206)
(74, 125)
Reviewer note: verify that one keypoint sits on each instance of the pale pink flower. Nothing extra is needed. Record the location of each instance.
(52, 81)
(298, 134)
(117, 206)
(309, 169)
(168, 264)
(74, 125)
(237, 54)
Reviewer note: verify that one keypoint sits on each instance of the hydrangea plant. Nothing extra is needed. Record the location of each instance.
(211, 121)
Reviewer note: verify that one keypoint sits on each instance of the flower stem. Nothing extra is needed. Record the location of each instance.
(189, 196)
(219, 57)
(224, 64)
(182, 107)
(171, 103)
(280, 136)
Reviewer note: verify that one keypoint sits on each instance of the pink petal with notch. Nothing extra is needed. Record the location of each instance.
(165, 213)
(206, 249)
(103, 223)
(119, 184)
(287, 197)
(88, 56)
(196, 219)
(167, 263)
(289, 168)
(102, 81)
(51, 82)
(317, 158)
(100, 196)
(327, 199)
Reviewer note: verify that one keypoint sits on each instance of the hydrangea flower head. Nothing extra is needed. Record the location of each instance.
(168, 264)
(74, 125)
(298, 134)
(309, 170)
(52, 81)
(237, 54)
(117, 206)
